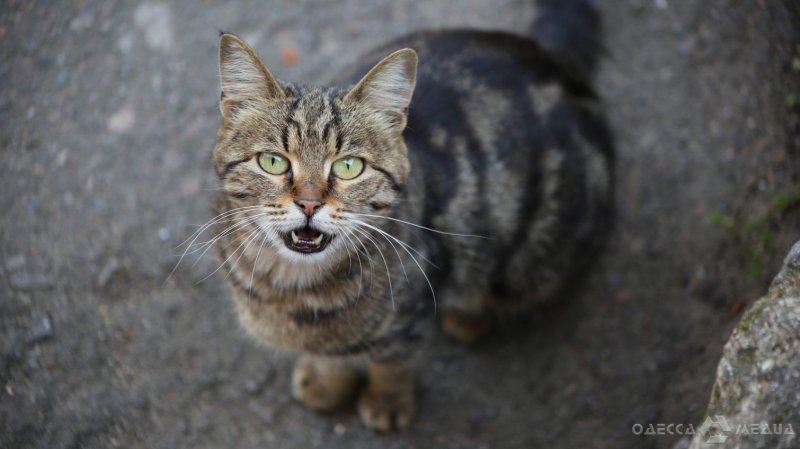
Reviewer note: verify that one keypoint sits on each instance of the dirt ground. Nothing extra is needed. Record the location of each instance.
(108, 112)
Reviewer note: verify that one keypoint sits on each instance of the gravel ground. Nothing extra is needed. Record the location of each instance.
(108, 112)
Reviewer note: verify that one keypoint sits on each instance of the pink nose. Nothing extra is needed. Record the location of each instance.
(309, 207)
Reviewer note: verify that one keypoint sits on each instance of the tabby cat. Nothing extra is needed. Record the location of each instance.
(350, 217)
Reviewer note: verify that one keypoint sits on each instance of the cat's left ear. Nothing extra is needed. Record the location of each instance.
(387, 88)
(243, 76)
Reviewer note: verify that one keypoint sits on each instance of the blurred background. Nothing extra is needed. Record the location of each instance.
(108, 115)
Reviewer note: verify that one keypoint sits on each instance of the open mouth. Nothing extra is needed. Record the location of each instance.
(306, 240)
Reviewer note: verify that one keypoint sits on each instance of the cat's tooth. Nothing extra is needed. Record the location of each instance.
(295, 239)
(318, 240)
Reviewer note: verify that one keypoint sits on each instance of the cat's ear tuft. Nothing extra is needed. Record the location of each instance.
(388, 87)
(243, 76)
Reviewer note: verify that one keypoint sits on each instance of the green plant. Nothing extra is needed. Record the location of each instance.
(754, 234)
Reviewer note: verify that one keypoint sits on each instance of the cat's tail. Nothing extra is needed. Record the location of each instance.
(572, 30)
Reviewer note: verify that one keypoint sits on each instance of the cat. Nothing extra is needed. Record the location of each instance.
(349, 217)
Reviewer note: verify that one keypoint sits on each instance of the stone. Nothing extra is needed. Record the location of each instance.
(41, 330)
(122, 120)
(755, 402)
(108, 271)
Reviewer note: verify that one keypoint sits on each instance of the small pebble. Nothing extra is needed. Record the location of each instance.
(61, 159)
(41, 330)
(339, 429)
(766, 365)
(111, 267)
(122, 120)
(289, 56)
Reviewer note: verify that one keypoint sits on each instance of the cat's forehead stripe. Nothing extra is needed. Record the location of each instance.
(313, 115)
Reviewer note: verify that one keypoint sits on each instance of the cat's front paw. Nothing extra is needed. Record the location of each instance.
(386, 411)
(323, 384)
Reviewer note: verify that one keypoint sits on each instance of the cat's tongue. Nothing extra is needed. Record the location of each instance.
(307, 234)
(306, 240)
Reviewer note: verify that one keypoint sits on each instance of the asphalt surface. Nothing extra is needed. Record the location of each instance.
(108, 112)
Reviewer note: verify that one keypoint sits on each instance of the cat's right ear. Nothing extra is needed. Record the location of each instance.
(243, 76)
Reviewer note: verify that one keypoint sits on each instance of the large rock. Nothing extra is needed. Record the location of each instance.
(755, 402)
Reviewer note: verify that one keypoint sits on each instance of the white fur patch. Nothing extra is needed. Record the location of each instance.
(547, 218)
(597, 169)
(544, 97)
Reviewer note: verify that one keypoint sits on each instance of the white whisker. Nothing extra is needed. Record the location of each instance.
(255, 263)
(369, 259)
(385, 264)
(247, 239)
(215, 220)
(210, 244)
(221, 217)
(383, 234)
(410, 255)
(253, 237)
(196, 247)
(401, 243)
(421, 227)
(346, 236)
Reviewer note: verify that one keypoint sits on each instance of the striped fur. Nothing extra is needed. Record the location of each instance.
(500, 142)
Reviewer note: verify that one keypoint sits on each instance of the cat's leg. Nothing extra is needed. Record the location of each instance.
(464, 315)
(387, 402)
(323, 383)
(465, 327)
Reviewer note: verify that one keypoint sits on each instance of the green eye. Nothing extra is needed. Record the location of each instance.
(273, 164)
(348, 167)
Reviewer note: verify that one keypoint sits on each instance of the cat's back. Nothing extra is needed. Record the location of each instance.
(505, 142)
(482, 71)
(499, 97)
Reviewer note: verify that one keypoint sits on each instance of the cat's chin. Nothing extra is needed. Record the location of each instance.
(306, 240)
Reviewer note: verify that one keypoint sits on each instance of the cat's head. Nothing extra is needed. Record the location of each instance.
(301, 162)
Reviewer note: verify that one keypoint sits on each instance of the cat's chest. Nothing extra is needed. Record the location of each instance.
(322, 322)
